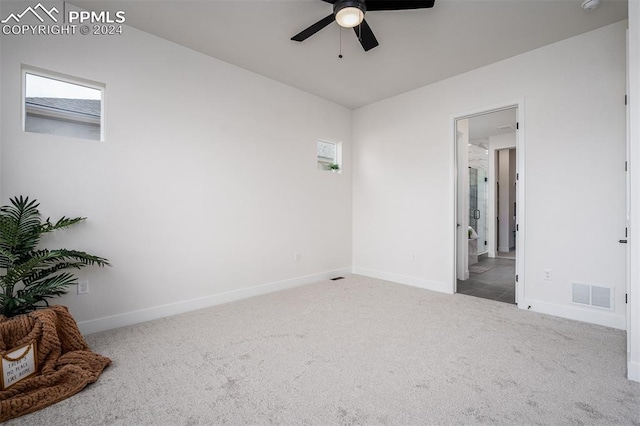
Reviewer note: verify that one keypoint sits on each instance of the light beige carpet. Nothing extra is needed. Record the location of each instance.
(356, 351)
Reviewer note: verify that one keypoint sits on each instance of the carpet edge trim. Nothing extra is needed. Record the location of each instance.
(162, 311)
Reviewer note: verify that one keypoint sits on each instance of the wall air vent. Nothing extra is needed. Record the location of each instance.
(506, 127)
(592, 295)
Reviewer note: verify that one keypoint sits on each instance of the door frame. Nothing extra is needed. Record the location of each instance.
(494, 195)
(520, 196)
(628, 199)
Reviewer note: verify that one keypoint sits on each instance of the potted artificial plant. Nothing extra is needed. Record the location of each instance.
(31, 275)
(335, 168)
(41, 349)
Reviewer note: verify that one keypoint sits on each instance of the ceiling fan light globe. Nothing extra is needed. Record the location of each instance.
(349, 17)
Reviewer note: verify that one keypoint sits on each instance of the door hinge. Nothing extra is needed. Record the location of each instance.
(516, 278)
(486, 179)
(626, 230)
(625, 99)
(626, 168)
(517, 176)
(625, 298)
(517, 227)
(517, 126)
(485, 243)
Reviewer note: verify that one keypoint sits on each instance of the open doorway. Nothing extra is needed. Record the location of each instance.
(487, 204)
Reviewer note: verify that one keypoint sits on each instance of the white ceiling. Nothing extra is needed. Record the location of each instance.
(416, 47)
(492, 124)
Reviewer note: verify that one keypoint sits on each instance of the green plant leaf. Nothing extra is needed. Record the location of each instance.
(19, 225)
(63, 222)
(6, 258)
(35, 296)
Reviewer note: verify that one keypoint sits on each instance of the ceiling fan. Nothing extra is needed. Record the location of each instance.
(350, 14)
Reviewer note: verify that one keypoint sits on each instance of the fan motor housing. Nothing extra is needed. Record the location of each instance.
(341, 4)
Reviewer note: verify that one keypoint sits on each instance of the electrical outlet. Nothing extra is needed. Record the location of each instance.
(548, 275)
(296, 257)
(83, 287)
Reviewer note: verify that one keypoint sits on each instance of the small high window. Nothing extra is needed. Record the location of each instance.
(329, 156)
(63, 106)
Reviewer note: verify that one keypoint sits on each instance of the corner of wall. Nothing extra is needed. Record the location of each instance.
(404, 279)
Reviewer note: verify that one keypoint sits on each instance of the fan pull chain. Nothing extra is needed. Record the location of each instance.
(340, 54)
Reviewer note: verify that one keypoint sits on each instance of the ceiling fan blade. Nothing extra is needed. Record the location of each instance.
(305, 34)
(373, 5)
(330, 1)
(365, 35)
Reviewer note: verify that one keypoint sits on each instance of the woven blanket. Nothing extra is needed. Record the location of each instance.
(66, 365)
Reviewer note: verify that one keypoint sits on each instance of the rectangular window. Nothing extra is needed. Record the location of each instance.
(329, 156)
(62, 105)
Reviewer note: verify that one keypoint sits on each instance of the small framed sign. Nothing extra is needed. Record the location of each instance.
(18, 364)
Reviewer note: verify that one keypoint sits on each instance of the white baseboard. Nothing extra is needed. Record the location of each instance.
(633, 371)
(592, 316)
(403, 279)
(135, 317)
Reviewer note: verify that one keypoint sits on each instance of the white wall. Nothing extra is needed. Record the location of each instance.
(574, 122)
(633, 331)
(206, 185)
